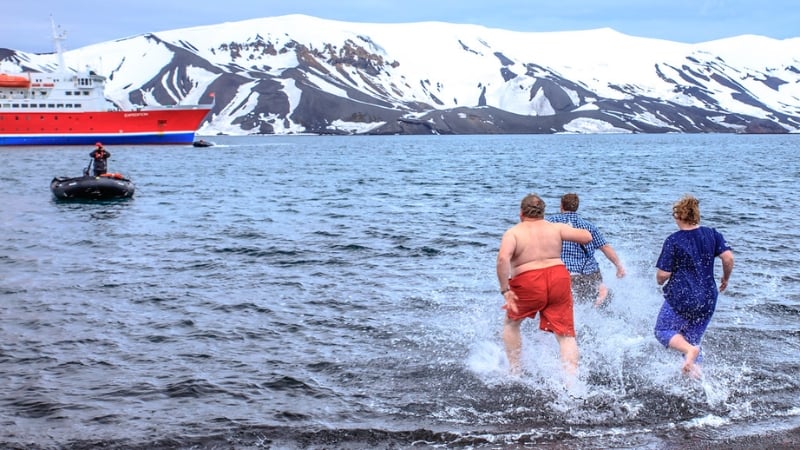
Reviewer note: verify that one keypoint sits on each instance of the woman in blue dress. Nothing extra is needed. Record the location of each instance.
(686, 265)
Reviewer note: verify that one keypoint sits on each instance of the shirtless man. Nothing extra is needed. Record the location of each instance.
(533, 279)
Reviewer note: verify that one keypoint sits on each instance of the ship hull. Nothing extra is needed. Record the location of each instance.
(167, 125)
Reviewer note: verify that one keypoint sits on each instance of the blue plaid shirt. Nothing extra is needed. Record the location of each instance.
(575, 258)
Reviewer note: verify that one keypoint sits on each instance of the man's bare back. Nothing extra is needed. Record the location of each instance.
(538, 245)
(535, 244)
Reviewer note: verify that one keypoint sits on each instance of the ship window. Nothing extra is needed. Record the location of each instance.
(69, 92)
(50, 105)
(85, 92)
(42, 105)
(60, 105)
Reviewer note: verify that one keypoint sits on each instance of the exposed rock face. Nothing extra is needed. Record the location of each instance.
(347, 82)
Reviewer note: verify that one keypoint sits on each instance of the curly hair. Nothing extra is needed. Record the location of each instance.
(687, 209)
(532, 206)
(570, 202)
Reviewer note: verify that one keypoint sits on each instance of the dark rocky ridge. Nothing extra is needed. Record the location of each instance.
(368, 95)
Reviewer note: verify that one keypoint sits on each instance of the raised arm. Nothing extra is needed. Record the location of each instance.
(575, 234)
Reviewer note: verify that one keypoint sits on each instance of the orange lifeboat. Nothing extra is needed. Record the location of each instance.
(14, 81)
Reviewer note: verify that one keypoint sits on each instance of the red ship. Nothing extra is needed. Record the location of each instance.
(71, 109)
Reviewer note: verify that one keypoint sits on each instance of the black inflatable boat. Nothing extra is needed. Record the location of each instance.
(202, 143)
(108, 186)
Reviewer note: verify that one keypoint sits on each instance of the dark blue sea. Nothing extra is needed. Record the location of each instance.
(340, 292)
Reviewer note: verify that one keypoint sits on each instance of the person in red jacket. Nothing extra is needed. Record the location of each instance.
(99, 159)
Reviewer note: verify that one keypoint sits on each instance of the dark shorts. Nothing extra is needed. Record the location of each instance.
(585, 286)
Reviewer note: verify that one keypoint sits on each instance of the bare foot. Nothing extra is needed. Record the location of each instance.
(689, 367)
(695, 373)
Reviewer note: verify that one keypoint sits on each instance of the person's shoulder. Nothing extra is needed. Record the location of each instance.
(674, 236)
(512, 229)
(586, 221)
(708, 230)
(579, 221)
(716, 235)
(561, 225)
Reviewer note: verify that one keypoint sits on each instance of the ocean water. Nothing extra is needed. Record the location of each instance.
(339, 292)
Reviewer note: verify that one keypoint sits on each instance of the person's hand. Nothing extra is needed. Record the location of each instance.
(723, 284)
(511, 302)
(620, 271)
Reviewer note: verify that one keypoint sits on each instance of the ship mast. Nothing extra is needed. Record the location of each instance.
(58, 36)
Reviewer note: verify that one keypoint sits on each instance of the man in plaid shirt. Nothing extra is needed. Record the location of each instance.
(587, 281)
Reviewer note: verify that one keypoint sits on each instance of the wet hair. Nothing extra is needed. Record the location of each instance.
(532, 206)
(687, 209)
(570, 202)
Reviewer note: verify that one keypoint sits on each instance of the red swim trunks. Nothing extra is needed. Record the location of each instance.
(547, 292)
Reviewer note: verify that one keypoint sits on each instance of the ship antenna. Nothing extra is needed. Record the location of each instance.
(58, 36)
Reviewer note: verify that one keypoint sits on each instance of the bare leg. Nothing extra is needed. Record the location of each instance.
(513, 340)
(602, 293)
(690, 352)
(568, 347)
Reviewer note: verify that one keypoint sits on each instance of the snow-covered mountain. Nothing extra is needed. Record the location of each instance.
(300, 74)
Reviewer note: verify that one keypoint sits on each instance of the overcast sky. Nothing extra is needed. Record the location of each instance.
(26, 25)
